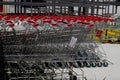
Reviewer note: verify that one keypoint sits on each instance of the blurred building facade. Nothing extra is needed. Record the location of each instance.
(58, 7)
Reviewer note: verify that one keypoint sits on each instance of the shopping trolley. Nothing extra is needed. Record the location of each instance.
(39, 45)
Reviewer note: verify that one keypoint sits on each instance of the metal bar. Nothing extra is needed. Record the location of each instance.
(97, 11)
(18, 7)
(53, 7)
(15, 8)
(59, 4)
(92, 8)
(24, 9)
(31, 7)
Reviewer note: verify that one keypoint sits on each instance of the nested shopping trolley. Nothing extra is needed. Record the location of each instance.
(48, 47)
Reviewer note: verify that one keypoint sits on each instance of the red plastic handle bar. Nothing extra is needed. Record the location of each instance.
(11, 25)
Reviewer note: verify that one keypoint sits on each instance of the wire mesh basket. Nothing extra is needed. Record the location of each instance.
(37, 43)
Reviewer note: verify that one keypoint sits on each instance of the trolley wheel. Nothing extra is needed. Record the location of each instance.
(66, 65)
(63, 65)
(75, 64)
(60, 65)
(93, 64)
(99, 64)
(87, 64)
(54, 65)
(105, 64)
(47, 65)
(81, 64)
(70, 63)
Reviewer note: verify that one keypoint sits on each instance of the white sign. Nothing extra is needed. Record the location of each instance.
(72, 42)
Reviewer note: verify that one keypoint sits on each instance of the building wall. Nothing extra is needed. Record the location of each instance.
(97, 10)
